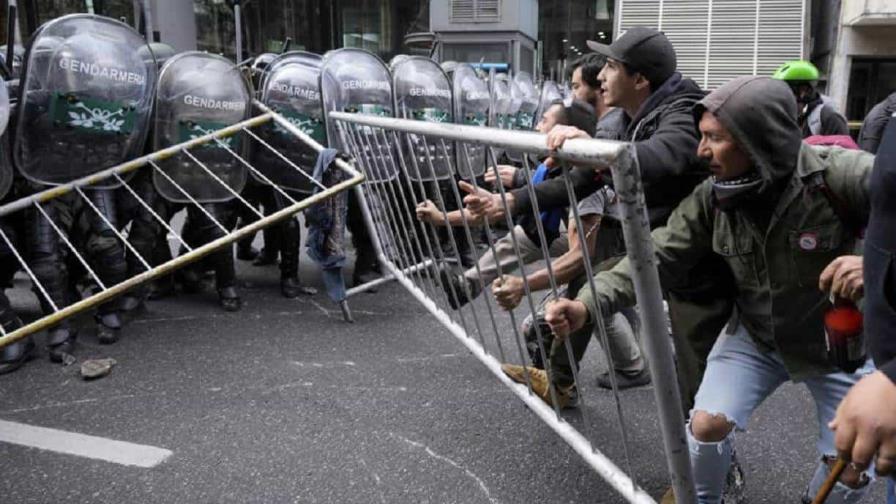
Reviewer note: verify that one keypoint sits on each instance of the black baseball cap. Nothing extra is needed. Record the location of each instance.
(644, 50)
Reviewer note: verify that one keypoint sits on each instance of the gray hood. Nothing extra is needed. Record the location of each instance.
(761, 115)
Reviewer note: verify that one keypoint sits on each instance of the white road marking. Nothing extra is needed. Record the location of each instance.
(82, 445)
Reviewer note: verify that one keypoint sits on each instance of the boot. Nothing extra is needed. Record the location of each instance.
(267, 257)
(458, 288)
(245, 251)
(108, 328)
(162, 288)
(190, 280)
(60, 342)
(13, 356)
(229, 299)
(291, 288)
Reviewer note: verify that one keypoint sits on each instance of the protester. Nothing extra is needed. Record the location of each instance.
(586, 86)
(768, 211)
(817, 115)
(461, 289)
(865, 424)
(640, 78)
(873, 126)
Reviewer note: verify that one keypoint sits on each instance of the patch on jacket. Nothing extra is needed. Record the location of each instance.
(808, 241)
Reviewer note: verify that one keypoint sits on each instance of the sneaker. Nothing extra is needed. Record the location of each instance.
(567, 397)
(624, 380)
(458, 288)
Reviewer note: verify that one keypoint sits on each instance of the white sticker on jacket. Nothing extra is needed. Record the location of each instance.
(808, 241)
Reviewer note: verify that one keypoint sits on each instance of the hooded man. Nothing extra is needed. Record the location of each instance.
(769, 212)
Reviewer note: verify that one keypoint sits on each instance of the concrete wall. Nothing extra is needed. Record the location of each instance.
(175, 22)
(857, 41)
(869, 12)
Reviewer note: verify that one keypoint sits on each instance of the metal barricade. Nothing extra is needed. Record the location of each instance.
(414, 253)
(121, 175)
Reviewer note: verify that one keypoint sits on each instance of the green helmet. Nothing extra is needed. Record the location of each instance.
(796, 71)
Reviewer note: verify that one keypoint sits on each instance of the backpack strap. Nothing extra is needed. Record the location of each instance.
(814, 119)
(852, 224)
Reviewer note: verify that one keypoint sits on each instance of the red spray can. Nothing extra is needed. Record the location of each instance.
(845, 336)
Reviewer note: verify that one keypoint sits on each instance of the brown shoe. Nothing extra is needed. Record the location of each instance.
(668, 497)
(566, 396)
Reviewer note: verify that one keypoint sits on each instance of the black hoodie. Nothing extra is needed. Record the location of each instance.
(666, 143)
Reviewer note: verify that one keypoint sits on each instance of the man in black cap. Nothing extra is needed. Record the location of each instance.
(640, 77)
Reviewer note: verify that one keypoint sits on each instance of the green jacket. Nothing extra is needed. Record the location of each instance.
(776, 271)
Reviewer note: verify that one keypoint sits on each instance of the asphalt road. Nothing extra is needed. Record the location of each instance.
(285, 403)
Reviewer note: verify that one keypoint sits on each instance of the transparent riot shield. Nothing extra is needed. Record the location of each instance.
(5, 164)
(199, 93)
(550, 92)
(291, 89)
(528, 98)
(524, 102)
(501, 108)
(471, 108)
(357, 81)
(85, 100)
(423, 93)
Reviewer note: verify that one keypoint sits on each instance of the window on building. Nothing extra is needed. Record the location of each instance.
(870, 81)
(565, 25)
(215, 27)
(366, 25)
(486, 53)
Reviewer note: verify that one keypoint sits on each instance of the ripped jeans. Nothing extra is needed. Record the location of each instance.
(739, 376)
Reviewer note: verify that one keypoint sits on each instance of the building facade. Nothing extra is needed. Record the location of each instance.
(853, 42)
(861, 55)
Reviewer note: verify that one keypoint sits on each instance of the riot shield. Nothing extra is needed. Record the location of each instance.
(423, 93)
(5, 164)
(291, 89)
(357, 81)
(199, 93)
(259, 68)
(524, 99)
(501, 113)
(550, 92)
(471, 108)
(85, 101)
(526, 94)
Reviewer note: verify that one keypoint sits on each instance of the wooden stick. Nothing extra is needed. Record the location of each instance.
(829, 483)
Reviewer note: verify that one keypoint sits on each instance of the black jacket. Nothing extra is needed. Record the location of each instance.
(880, 257)
(666, 142)
(875, 122)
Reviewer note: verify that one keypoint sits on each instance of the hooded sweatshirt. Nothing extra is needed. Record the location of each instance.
(776, 265)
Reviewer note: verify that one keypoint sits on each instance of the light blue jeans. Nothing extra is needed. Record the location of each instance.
(739, 376)
(891, 491)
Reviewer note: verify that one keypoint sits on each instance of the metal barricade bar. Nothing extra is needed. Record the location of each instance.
(117, 173)
(365, 137)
